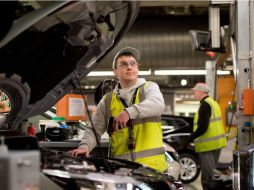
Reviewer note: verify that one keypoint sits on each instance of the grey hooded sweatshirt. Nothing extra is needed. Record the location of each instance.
(153, 105)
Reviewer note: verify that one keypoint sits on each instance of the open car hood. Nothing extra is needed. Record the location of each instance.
(47, 47)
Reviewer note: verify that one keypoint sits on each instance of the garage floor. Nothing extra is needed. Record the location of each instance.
(196, 185)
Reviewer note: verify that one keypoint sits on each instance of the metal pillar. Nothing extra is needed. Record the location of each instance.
(251, 82)
(214, 25)
(243, 57)
(211, 78)
(252, 44)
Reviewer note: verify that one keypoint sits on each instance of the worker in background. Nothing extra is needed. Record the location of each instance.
(131, 115)
(208, 133)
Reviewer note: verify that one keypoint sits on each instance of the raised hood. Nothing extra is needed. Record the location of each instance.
(47, 47)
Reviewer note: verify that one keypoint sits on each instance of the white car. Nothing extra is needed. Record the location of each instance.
(174, 167)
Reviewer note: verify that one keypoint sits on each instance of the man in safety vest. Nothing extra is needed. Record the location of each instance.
(131, 116)
(208, 132)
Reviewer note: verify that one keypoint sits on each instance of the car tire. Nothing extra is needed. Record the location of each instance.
(190, 168)
(18, 94)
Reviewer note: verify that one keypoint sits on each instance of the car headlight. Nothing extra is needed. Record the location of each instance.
(172, 156)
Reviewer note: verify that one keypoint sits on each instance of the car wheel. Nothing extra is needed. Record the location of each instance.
(17, 92)
(190, 168)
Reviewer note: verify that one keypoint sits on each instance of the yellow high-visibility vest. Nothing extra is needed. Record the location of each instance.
(147, 134)
(214, 137)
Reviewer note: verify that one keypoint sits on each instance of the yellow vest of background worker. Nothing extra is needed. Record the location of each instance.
(214, 137)
(148, 150)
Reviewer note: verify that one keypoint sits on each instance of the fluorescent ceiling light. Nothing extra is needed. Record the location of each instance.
(180, 72)
(160, 72)
(149, 72)
(220, 72)
(100, 73)
(187, 72)
(110, 73)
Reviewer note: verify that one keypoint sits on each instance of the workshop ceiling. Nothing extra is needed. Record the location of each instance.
(161, 33)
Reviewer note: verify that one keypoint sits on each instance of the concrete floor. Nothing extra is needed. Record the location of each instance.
(196, 185)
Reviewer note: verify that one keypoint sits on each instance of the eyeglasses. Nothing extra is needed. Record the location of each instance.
(125, 64)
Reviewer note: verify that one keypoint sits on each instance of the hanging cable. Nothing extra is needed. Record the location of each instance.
(89, 116)
(92, 126)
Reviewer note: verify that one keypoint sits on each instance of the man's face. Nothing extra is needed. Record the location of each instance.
(198, 94)
(126, 68)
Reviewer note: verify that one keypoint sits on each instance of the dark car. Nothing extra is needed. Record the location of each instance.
(176, 129)
(46, 48)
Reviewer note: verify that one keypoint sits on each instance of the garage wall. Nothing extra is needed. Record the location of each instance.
(164, 42)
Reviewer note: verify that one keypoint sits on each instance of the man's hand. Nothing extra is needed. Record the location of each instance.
(121, 120)
(79, 151)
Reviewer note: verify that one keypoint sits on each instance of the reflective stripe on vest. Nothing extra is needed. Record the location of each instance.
(143, 153)
(214, 137)
(209, 139)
